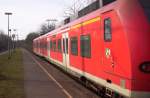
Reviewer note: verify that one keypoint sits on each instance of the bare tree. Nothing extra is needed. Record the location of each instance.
(3, 41)
(76, 6)
(45, 29)
(29, 40)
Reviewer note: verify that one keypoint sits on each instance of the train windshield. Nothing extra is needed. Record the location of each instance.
(146, 5)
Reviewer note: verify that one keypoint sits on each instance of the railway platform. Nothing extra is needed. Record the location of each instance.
(43, 80)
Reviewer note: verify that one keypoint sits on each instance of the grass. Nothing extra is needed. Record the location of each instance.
(11, 75)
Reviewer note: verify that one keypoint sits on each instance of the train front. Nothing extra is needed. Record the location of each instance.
(135, 15)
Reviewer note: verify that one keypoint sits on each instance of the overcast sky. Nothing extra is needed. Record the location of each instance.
(28, 15)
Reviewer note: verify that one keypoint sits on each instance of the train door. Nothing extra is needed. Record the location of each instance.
(65, 50)
(48, 47)
(107, 42)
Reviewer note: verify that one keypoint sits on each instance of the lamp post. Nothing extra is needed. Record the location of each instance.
(10, 42)
(17, 38)
(15, 41)
(8, 14)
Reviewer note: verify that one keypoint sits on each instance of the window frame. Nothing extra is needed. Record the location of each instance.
(76, 52)
(64, 51)
(66, 45)
(51, 45)
(106, 33)
(59, 48)
(54, 46)
(84, 55)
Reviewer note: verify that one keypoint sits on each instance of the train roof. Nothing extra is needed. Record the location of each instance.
(91, 15)
(110, 6)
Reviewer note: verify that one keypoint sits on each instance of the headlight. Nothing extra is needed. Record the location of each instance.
(145, 67)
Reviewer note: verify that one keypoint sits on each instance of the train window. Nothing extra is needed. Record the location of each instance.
(74, 46)
(59, 45)
(107, 30)
(42, 45)
(146, 6)
(67, 45)
(54, 45)
(64, 45)
(51, 45)
(85, 46)
(105, 2)
(45, 45)
(39, 45)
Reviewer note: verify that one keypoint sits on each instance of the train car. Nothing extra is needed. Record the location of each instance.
(40, 46)
(108, 48)
(36, 45)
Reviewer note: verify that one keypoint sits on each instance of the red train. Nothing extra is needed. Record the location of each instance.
(110, 47)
